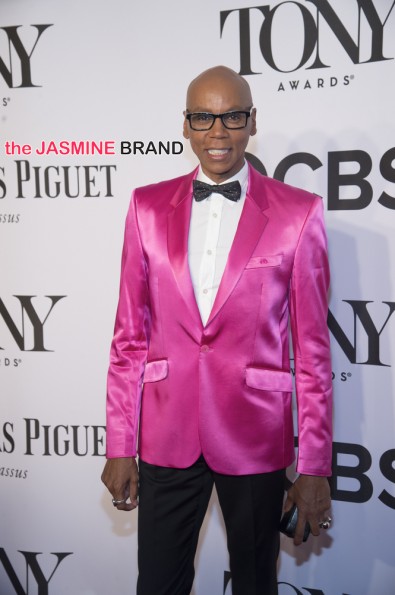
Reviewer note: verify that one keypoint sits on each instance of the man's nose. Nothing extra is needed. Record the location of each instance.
(218, 129)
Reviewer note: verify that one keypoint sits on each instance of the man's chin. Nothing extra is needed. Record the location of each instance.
(219, 172)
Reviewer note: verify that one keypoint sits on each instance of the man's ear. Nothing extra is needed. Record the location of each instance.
(185, 129)
(253, 120)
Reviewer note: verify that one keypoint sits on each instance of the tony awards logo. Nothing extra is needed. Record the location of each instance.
(16, 67)
(317, 25)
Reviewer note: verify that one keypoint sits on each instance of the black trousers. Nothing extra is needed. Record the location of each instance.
(172, 506)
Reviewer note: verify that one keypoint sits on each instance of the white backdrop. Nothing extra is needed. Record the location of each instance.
(324, 88)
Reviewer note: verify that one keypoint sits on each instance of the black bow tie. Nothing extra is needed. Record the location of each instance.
(231, 190)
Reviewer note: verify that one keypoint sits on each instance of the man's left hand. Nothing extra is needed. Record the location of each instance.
(311, 494)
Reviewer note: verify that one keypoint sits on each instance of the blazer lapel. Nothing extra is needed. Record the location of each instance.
(251, 225)
(177, 242)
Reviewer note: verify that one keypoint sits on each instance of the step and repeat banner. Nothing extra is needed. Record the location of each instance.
(91, 102)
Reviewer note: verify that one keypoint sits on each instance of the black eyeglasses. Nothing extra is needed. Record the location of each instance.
(205, 121)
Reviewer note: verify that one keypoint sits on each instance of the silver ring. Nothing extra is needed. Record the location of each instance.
(116, 502)
(325, 524)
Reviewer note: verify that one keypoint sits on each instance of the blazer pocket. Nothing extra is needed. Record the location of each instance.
(270, 380)
(264, 261)
(156, 370)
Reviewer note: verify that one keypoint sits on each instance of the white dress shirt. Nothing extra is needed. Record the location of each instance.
(211, 232)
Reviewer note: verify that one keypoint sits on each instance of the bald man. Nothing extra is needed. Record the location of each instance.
(215, 265)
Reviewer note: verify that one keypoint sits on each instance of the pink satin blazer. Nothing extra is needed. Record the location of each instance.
(223, 389)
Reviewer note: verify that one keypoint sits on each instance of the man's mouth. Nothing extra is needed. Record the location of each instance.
(217, 152)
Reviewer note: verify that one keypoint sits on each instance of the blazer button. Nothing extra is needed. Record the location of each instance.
(205, 348)
(263, 260)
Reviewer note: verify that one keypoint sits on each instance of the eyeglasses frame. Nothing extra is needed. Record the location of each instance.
(247, 113)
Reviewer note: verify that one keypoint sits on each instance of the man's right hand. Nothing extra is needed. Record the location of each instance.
(121, 477)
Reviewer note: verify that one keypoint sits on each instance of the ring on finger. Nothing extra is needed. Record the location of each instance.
(116, 502)
(326, 523)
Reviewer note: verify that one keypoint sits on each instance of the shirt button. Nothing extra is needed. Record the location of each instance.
(215, 215)
(205, 291)
(205, 348)
(209, 252)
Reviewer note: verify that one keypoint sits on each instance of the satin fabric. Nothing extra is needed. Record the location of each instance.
(223, 389)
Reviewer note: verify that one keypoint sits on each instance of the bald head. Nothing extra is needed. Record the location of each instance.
(220, 78)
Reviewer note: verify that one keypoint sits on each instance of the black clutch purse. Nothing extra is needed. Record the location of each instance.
(288, 523)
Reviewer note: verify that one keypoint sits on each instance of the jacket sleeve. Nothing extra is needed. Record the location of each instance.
(129, 345)
(310, 337)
